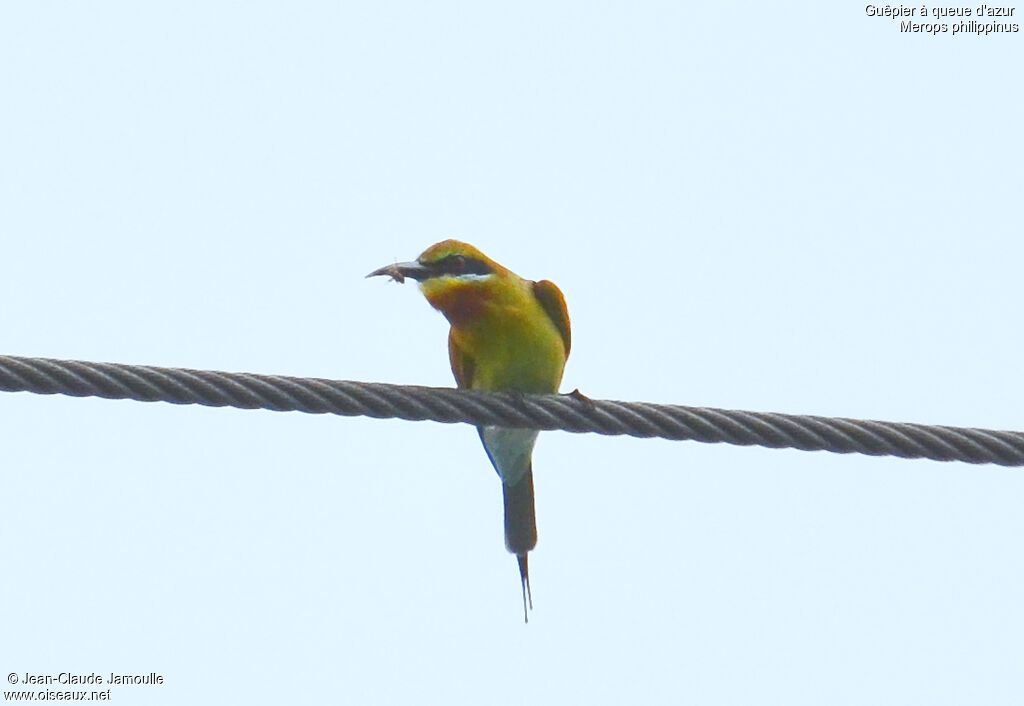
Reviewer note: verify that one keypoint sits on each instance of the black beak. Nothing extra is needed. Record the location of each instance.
(400, 270)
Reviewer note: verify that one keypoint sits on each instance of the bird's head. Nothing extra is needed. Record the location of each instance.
(455, 277)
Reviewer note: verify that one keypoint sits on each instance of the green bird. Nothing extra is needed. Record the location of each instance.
(507, 333)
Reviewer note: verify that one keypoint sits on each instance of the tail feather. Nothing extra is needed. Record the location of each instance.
(524, 577)
(520, 515)
(521, 529)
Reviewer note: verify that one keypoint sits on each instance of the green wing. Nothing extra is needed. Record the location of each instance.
(462, 365)
(552, 301)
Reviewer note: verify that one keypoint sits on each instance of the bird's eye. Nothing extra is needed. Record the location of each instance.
(456, 263)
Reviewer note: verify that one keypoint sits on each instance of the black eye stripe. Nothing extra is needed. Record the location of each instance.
(462, 265)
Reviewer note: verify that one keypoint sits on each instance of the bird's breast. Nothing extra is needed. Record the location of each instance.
(513, 350)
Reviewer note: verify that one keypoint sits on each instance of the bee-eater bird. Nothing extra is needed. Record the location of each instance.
(507, 333)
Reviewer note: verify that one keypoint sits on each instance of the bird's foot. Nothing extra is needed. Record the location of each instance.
(517, 398)
(581, 398)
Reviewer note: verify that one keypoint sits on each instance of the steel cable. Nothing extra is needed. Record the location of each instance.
(572, 412)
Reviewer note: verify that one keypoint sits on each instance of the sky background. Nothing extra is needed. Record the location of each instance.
(786, 207)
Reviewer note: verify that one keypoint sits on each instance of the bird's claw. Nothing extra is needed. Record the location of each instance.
(518, 399)
(581, 398)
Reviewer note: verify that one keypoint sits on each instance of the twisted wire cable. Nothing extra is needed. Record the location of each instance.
(572, 412)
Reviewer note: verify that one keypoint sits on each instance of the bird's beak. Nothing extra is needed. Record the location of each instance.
(400, 270)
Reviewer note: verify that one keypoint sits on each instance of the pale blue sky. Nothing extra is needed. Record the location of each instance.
(776, 206)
